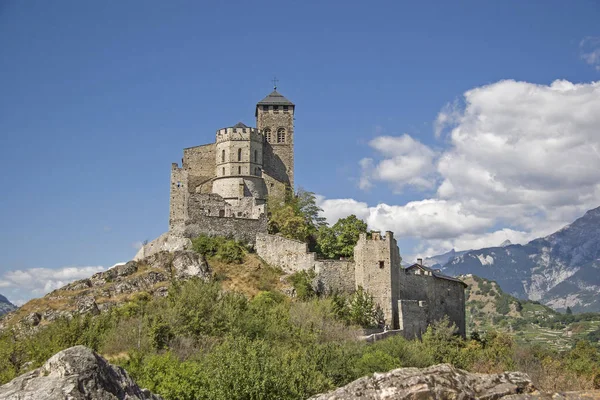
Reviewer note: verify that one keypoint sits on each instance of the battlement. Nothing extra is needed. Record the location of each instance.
(376, 236)
(239, 134)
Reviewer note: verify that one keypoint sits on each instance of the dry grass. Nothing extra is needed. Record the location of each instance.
(249, 277)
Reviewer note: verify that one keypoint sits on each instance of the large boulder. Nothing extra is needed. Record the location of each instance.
(76, 373)
(168, 241)
(437, 382)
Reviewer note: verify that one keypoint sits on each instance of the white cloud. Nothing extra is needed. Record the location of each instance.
(521, 161)
(590, 51)
(35, 282)
(405, 162)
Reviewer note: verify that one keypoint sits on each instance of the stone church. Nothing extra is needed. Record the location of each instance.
(222, 187)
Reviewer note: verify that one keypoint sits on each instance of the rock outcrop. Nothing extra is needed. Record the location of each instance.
(437, 382)
(168, 241)
(443, 381)
(104, 290)
(75, 373)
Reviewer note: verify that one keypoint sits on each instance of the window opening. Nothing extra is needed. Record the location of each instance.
(281, 135)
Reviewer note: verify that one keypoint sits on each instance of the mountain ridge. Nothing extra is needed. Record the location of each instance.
(560, 270)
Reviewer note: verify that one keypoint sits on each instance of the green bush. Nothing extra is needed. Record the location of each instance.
(226, 250)
(302, 283)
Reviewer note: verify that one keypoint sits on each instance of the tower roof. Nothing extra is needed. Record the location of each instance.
(275, 98)
(240, 125)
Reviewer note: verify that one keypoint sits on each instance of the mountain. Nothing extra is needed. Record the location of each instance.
(560, 270)
(440, 260)
(6, 306)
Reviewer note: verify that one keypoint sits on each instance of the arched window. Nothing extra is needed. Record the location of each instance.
(239, 170)
(255, 156)
(281, 135)
(222, 155)
(239, 154)
(268, 134)
(223, 171)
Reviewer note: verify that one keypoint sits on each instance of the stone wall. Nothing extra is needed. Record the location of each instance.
(334, 276)
(199, 162)
(443, 296)
(242, 229)
(288, 254)
(413, 317)
(378, 272)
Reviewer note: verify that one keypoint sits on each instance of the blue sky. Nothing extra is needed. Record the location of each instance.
(99, 98)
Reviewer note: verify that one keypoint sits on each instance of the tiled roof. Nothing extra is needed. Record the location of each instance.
(275, 98)
(436, 273)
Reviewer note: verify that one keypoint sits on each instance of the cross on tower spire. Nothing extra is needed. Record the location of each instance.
(275, 80)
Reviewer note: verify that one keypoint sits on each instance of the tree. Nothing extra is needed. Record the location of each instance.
(569, 311)
(296, 217)
(340, 239)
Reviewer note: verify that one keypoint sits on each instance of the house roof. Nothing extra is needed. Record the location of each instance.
(275, 98)
(435, 273)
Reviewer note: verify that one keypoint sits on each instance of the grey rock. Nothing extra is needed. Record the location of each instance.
(437, 382)
(33, 319)
(87, 305)
(76, 373)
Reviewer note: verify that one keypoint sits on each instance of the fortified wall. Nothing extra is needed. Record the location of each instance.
(411, 298)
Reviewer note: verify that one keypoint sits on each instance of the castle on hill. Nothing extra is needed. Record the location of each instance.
(221, 189)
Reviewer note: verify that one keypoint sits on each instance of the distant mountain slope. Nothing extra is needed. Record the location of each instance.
(561, 270)
(442, 259)
(6, 306)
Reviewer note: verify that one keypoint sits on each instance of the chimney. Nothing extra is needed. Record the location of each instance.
(420, 261)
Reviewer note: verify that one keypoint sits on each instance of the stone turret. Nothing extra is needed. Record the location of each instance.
(377, 270)
(239, 164)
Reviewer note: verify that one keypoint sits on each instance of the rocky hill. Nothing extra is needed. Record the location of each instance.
(75, 373)
(6, 306)
(560, 270)
(151, 275)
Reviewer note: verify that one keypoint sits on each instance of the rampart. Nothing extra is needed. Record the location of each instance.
(242, 229)
(288, 254)
(334, 276)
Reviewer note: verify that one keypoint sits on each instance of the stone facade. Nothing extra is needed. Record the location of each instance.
(233, 177)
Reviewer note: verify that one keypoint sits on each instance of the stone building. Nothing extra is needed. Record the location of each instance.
(221, 188)
(410, 298)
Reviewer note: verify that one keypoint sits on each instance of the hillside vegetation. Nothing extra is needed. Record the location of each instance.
(238, 336)
(488, 307)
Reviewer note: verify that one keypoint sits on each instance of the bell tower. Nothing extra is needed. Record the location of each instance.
(275, 120)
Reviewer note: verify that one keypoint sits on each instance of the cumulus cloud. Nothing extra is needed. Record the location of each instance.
(404, 162)
(521, 160)
(35, 282)
(590, 51)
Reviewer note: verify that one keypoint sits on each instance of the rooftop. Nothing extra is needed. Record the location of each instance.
(275, 98)
(435, 273)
